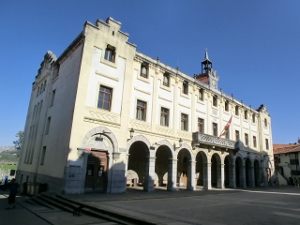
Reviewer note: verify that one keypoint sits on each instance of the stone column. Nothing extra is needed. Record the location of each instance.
(232, 181)
(221, 177)
(149, 174)
(172, 175)
(243, 176)
(251, 177)
(207, 176)
(191, 185)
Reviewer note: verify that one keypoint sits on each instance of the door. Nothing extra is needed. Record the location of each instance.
(96, 171)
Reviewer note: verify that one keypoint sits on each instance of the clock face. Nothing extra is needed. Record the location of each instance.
(213, 83)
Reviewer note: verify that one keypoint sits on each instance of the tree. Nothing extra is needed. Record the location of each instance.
(18, 143)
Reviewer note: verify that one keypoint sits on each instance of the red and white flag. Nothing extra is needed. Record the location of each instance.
(226, 128)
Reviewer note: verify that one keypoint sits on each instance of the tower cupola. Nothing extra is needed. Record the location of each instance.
(206, 64)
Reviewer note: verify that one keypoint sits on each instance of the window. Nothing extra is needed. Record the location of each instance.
(164, 117)
(45, 85)
(200, 125)
(236, 110)
(90, 170)
(226, 106)
(215, 129)
(184, 122)
(52, 98)
(166, 79)
(201, 94)
(254, 141)
(265, 122)
(185, 87)
(245, 114)
(267, 144)
(141, 110)
(110, 53)
(215, 101)
(38, 92)
(43, 155)
(253, 118)
(144, 70)
(237, 135)
(48, 125)
(104, 99)
(246, 139)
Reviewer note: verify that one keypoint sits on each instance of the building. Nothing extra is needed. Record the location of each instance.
(287, 165)
(103, 117)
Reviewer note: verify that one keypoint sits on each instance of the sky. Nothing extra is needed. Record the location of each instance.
(254, 46)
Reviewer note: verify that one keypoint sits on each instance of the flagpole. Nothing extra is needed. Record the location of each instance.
(226, 126)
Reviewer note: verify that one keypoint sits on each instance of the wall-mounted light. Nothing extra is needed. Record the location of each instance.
(288, 164)
(131, 133)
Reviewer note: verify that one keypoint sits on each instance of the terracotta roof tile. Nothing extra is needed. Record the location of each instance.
(285, 148)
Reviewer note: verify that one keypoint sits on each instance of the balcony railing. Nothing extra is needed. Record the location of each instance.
(199, 138)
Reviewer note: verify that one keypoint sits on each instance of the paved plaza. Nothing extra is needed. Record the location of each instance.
(280, 205)
(261, 206)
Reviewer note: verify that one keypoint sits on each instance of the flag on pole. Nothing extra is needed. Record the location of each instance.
(226, 128)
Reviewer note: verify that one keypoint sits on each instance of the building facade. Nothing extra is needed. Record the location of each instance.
(287, 167)
(103, 117)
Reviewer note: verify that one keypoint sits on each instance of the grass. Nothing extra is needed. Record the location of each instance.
(8, 167)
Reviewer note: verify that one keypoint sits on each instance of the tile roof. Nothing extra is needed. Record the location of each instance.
(285, 148)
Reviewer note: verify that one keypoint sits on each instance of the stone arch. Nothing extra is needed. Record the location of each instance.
(113, 151)
(201, 168)
(139, 159)
(166, 143)
(188, 148)
(185, 166)
(163, 163)
(101, 130)
(138, 138)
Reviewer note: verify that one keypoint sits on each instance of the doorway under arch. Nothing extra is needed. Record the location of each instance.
(216, 171)
(163, 166)
(183, 168)
(138, 164)
(201, 168)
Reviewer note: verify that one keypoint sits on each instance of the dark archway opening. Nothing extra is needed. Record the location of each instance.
(137, 163)
(163, 166)
(183, 167)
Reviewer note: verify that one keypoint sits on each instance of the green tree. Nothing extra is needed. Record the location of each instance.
(18, 143)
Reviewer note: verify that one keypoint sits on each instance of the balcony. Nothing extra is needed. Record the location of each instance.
(206, 139)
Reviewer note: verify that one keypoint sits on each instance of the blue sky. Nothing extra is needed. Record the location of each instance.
(254, 46)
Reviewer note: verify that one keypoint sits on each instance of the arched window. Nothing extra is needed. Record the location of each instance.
(166, 79)
(253, 118)
(226, 106)
(246, 115)
(215, 101)
(265, 122)
(144, 70)
(236, 110)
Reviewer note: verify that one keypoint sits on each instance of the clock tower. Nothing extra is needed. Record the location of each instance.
(208, 75)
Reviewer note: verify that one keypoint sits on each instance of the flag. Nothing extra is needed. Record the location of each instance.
(226, 128)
